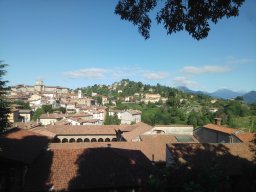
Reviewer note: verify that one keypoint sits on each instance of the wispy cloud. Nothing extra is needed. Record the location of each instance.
(155, 75)
(205, 69)
(183, 81)
(233, 60)
(92, 73)
(123, 72)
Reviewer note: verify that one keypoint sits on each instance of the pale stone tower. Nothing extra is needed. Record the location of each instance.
(80, 94)
(39, 85)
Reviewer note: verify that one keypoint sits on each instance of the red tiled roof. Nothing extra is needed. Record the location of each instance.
(88, 168)
(148, 148)
(82, 129)
(42, 131)
(220, 128)
(52, 116)
(80, 120)
(139, 129)
(27, 125)
(243, 136)
(62, 122)
(80, 115)
(246, 137)
(21, 145)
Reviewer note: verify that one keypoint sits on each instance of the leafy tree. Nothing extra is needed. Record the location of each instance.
(62, 109)
(112, 120)
(99, 100)
(37, 113)
(4, 105)
(24, 105)
(239, 98)
(178, 15)
(47, 108)
(192, 119)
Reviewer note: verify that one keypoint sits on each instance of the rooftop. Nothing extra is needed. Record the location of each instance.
(88, 168)
(220, 128)
(21, 145)
(52, 116)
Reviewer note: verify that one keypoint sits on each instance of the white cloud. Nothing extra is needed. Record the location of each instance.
(233, 61)
(155, 75)
(183, 81)
(205, 69)
(92, 73)
(116, 73)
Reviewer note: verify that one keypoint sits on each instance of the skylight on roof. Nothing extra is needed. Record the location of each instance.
(184, 139)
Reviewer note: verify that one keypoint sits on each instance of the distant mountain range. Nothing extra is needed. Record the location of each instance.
(226, 94)
(249, 97)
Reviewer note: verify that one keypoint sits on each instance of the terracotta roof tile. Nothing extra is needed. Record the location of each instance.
(21, 145)
(246, 137)
(82, 129)
(52, 116)
(148, 148)
(88, 168)
(138, 130)
(220, 128)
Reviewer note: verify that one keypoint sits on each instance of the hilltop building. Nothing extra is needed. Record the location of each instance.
(39, 87)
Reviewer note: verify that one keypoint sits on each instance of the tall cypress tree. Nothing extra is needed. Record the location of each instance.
(4, 105)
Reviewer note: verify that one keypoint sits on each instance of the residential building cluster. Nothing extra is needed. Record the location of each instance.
(80, 109)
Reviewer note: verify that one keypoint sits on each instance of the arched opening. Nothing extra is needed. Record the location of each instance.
(79, 140)
(72, 140)
(93, 140)
(86, 140)
(57, 140)
(100, 140)
(107, 140)
(65, 140)
(114, 139)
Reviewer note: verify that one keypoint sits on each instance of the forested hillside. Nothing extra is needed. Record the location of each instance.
(175, 106)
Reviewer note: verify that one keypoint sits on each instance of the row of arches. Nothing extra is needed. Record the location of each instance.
(80, 140)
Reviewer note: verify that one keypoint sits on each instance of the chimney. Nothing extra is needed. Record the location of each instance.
(217, 121)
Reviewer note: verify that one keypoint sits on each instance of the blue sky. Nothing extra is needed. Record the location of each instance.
(75, 43)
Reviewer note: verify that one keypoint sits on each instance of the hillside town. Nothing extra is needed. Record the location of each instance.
(74, 149)
(128, 96)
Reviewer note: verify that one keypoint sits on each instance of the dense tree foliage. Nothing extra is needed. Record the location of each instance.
(22, 104)
(4, 105)
(38, 112)
(112, 120)
(178, 15)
